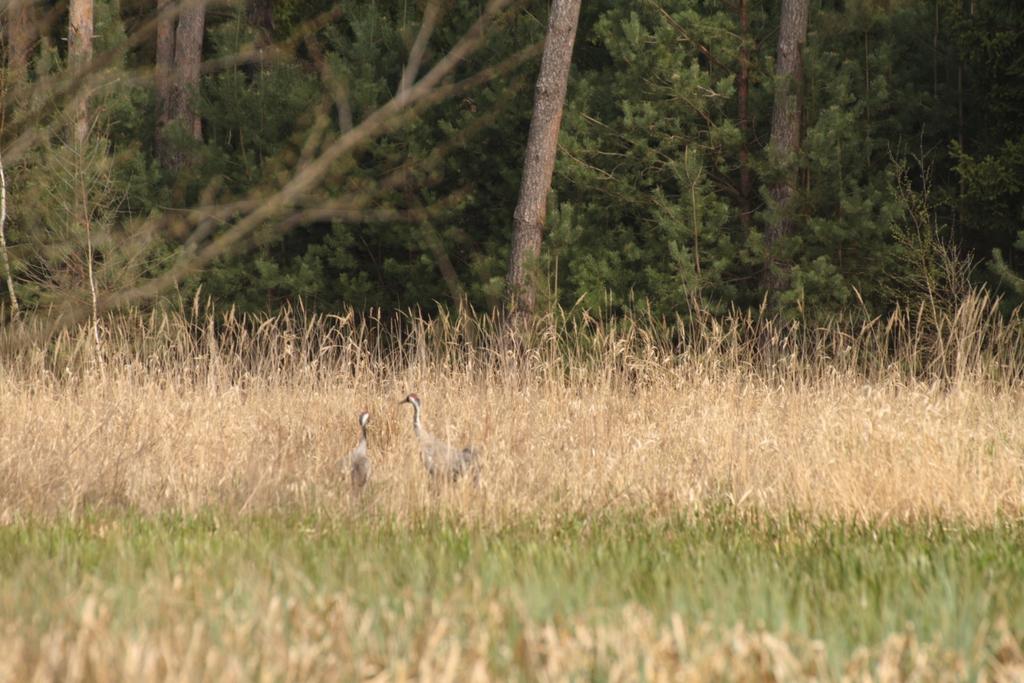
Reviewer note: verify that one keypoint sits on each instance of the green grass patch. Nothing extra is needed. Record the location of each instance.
(846, 585)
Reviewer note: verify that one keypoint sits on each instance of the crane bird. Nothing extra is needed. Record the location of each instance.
(359, 465)
(442, 461)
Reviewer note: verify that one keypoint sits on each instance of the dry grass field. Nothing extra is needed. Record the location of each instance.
(174, 504)
(255, 416)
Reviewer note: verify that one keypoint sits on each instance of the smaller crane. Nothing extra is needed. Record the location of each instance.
(359, 465)
(442, 461)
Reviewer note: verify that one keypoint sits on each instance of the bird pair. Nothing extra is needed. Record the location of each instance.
(442, 461)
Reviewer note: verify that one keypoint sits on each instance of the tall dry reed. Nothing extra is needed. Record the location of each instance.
(892, 418)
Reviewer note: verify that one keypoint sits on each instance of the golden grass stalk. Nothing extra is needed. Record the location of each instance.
(889, 419)
(334, 640)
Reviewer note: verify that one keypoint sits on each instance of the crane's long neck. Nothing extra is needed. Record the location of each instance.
(416, 418)
(362, 439)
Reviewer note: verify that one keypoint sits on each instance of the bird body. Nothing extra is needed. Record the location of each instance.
(441, 460)
(358, 463)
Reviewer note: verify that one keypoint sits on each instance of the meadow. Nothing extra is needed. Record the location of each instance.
(705, 498)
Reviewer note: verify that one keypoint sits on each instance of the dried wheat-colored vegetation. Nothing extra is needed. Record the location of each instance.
(276, 598)
(914, 416)
(297, 643)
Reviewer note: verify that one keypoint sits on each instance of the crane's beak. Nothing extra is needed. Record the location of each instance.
(404, 400)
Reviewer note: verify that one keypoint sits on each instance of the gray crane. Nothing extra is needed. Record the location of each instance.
(359, 465)
(443, 462)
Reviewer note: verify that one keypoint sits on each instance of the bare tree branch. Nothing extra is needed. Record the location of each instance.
(428, 90)
(87, 271)
(419, 46)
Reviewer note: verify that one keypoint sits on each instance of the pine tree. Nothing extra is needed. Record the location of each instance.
(784, 145)
(20, 22)
(80, 33)
(179, 55)
(541, 146)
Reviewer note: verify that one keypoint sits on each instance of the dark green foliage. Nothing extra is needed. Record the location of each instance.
(986, 149)
(113, 174)
(911, 109)
(650, 147)
(385, 263)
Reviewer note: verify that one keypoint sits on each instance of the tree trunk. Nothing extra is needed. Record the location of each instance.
(785, 137)
(20, 37)
(188, 57)
(743, 98)
(541, 146)
(260, 15)
(179, 58)
(80, 31)
(3, 243)
(164, 71)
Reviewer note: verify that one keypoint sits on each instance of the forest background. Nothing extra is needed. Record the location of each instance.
(910, 170)
(766, 425)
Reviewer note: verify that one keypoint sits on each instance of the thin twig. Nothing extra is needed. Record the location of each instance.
(419, 46)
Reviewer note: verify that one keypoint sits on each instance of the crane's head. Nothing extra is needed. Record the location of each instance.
(364, 417)
(413, 399)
